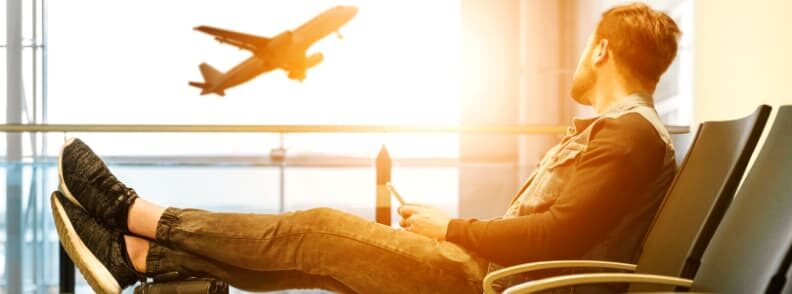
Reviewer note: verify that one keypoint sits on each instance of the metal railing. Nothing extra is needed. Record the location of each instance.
(277, 155)
(176, 128)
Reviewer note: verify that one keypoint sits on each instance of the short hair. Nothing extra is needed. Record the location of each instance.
(643, 40)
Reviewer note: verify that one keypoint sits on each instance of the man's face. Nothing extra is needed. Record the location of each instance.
(585, 76)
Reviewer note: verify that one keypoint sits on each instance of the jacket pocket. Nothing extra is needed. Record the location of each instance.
(566, 155)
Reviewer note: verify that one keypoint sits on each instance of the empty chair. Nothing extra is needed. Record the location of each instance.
(756, 235)
(749, 248)
(784, 274)
(700, 193)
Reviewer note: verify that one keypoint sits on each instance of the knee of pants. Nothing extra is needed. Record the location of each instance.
(329, 220)
(323, 216)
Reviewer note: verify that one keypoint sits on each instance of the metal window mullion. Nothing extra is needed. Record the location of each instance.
(14, 147)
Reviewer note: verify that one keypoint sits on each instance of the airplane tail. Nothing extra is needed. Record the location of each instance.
(211, 76)
(209, 73)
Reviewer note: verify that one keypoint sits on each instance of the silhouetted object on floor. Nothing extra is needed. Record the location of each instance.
(383, 165)
(173, 285)
(285, 51)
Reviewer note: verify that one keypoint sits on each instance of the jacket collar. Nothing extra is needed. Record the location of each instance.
(625, 104)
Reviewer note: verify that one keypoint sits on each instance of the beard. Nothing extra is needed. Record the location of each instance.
(582, 82)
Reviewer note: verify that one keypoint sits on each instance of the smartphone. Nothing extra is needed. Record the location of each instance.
(395, 194)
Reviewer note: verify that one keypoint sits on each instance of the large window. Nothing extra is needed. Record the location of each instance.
(129, 63)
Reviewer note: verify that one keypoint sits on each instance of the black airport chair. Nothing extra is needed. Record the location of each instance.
(748, 252)
(695, 201)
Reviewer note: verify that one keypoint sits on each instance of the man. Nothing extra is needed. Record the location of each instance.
(592, 196)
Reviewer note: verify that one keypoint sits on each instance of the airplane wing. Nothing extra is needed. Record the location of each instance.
(324, 24)
(241, 40)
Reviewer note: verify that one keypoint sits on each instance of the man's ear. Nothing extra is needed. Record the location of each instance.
(601, 52)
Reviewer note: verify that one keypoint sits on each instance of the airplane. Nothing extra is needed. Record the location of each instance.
(286, 51)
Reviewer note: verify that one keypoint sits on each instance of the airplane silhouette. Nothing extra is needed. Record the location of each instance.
(285, 51)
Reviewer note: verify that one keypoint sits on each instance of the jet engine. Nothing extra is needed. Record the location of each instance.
(297, 74)
(313, 60)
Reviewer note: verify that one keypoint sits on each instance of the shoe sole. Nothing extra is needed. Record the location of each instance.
(62, 185)
(95, 273)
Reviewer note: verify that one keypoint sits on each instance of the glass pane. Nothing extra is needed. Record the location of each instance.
(137, 70)
(37, 241)
(368, 144)
(153, 90)
(348, 189)
(3, 25)
(243, 189)
(171, 144)
(354, 189)
(3, 78)
(435, 186)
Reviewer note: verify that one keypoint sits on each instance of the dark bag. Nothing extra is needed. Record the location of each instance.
(183, 286)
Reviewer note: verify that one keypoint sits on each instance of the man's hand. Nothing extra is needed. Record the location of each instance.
(428, 221)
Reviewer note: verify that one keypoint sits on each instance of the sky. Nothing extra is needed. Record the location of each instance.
(129, 62)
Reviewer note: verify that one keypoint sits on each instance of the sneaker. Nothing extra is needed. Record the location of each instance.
(99, 253)
(86, 181)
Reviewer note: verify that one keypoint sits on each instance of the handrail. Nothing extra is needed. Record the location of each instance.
(264, 160)
(177, 128)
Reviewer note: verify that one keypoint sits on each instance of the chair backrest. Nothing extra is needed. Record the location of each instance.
(783, 275)
(700, 192)
(750, 245)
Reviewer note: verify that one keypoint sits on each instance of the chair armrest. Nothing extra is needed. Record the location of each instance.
(542, 265)
(579, 279)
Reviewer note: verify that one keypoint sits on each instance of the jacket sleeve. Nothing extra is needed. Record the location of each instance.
(615, 168)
